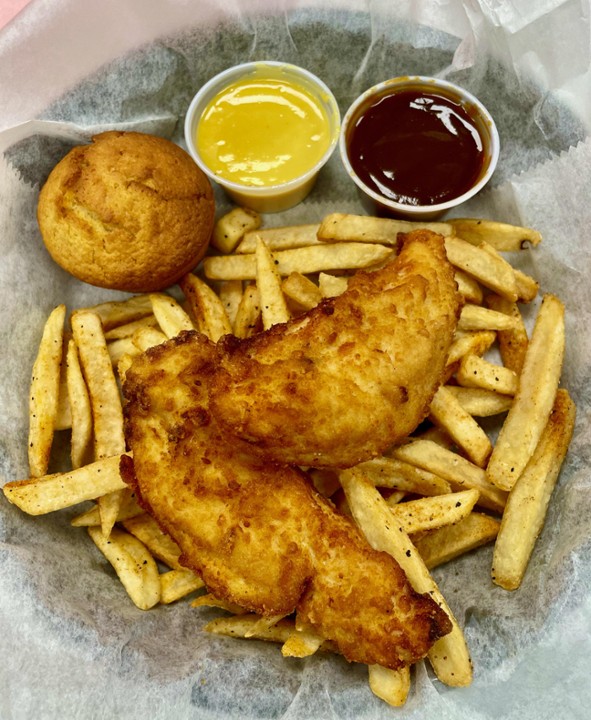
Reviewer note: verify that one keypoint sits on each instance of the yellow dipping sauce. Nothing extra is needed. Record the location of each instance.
(262, 132)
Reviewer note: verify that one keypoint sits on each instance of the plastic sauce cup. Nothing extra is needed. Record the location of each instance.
(263, 131)
(418, 146)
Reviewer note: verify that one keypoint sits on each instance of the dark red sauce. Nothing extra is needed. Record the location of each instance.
(416, 148)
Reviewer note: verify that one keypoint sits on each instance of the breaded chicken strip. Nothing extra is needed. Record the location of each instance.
(352, 376)
(257, 533)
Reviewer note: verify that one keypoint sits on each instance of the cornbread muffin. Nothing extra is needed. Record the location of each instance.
(129, 212)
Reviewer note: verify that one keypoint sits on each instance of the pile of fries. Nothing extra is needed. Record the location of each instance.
(447, 490)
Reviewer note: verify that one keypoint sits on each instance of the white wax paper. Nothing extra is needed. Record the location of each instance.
(72, 644)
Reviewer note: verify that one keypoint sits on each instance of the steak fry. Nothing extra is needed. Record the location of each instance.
(257, 532)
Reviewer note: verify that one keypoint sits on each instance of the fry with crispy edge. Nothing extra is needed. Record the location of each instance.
(44, 392)
(502, 236)
(134, 565)
(527, 503)
(449, 656)
(80, 407)
(341, 227)
(429, 513)
(392, 686)
(171, 317)
(206, 307)
(525, 421)
(273, 305)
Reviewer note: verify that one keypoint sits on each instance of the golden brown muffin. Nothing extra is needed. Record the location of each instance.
(129, 211)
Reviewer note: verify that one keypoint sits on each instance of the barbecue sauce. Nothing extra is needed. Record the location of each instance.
(416, 148)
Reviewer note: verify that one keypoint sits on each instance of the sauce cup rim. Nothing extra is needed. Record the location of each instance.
(225, 78)
(426, 82)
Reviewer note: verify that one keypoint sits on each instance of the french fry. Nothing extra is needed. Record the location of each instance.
(241, 626)
(249, 313)
(273, 306)
(512, 343)
(447, 413)
(452, 541)
(107, 411)
(38, 496)
(525, 421)
(429, 513)
(264, 623)
(470, 343)
(80, 407)
(491, 270)
(171, 317)
(118, 348)
(209, 600)
(162, 547)
(458, 471)
(177, 584)
(120, 312)
(332, 285)
(476, 317)
(128, 329)
(388, 472)
(449, 656)
(528, 500)
(44, 392)
(337, 256)
(147, 337)
(230, 294)
(133, 564)
(229, 230)
(480, 402)
(129, 508)
(392, 686)
(206, 307)
(527, 287)
(469, 287)
(501, 236)
(476, 372)
(301, 290)
(301, 643)
(63, 416)
(339, 227)
(280, 238)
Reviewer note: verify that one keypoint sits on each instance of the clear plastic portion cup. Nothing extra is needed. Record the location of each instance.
(272, 198)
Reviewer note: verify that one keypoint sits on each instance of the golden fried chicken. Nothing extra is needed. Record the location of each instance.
(257, 532)
(351, 377)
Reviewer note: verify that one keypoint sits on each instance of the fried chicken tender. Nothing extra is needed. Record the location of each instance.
(257, 532)
(352, 376)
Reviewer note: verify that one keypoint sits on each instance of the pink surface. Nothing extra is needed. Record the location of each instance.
(9, 8)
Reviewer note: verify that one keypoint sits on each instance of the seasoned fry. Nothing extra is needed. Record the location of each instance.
(162, 547)
(171, 317)
(461, 473)
(338, 256)
(512, 343)
(451, 541)
(301, 290)
(128, 329)
(528, 500)
(531, 409)
(493, 271)
(129, 508)
(449, 656)
(230, 294)
(332, 285)
(38, 496)
(388, 472)
(229, 230)
(105, 400)
(80, 407)
(63, 417)
(480, 402)
(502, 236)
(301, 643)
(249, 313)
(241, 626)
(273, 306)
(476, 372)
(392, 686)
(280, 238)
(206, 307)
(115, 313)
(469, 287)
(446, 412)
(429, 513)
(476, 317)
(148, 337)
(44, 392)
(527, 287)
(118, 348)
(133, 564)
(470, 343)
(177, 584)
(339, 227)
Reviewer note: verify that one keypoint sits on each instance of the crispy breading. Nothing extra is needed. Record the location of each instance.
(258, 533)
(352, 376)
